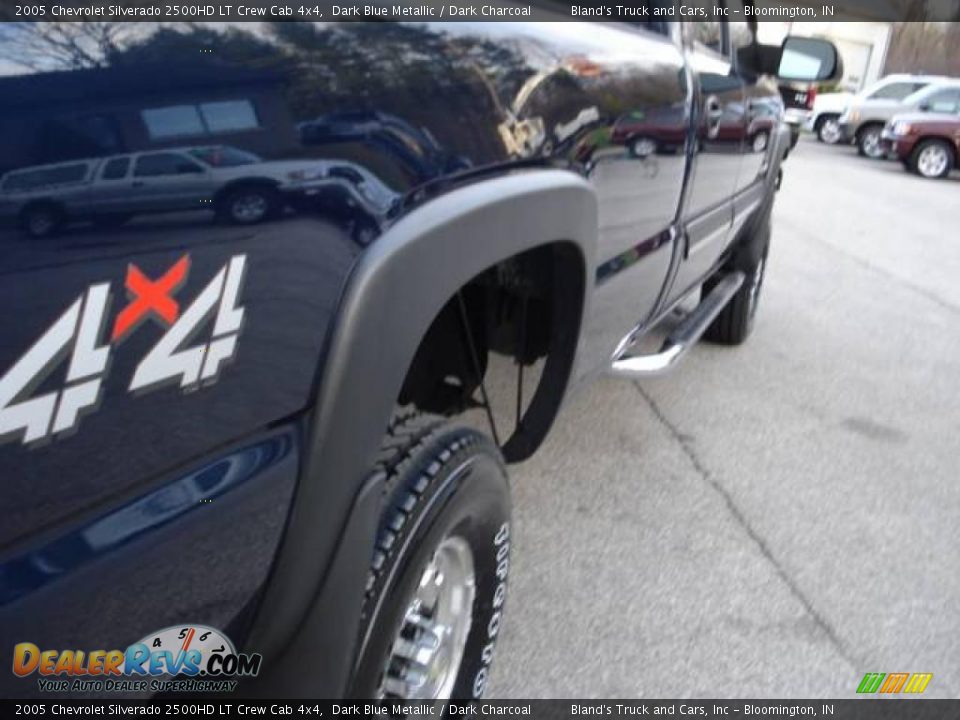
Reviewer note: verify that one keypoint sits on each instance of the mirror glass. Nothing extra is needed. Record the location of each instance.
(807, 59)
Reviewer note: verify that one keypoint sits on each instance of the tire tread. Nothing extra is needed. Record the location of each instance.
(408, 433)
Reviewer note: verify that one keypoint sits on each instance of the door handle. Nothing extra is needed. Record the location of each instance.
(714, 114)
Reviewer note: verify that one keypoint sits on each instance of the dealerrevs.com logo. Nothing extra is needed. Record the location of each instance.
(204, 657)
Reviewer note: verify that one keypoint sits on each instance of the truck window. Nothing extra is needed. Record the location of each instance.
(896, 90)
(223, 156)
(945, 101)
(115, 168)
(45, 177)
(158, 164)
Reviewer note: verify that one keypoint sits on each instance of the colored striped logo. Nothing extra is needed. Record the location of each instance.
(894, 683)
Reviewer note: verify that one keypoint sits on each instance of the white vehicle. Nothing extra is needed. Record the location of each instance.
(824, 119)
(237, 185)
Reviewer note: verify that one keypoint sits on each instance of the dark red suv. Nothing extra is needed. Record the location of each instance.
(927, 144)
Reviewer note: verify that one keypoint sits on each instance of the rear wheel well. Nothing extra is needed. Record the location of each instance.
(235, 185)
(526, 309)
(867, 126)
(41, 203)
(823, 117)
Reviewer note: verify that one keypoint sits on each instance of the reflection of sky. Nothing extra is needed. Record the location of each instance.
(9, 68)
(603, 44)
(135, 32)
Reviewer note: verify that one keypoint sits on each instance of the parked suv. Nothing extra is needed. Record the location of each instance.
(824, 119)
(237, 185)
(862, 122)
(927, 143)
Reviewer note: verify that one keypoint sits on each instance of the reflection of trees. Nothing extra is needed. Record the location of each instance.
(932, 47)
(427, 78)
(460, 85)
(62, 45)
(196, 43)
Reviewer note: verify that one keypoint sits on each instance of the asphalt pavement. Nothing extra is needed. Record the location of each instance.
(773, 520)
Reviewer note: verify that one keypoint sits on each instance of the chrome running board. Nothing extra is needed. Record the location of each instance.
(681, 338)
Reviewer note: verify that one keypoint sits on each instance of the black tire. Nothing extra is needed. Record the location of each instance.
(443, 481)
(825, 127)
(867, 136)
(735, 322)
(41, 219)
(364, 230)
(249, 204)
(942, 148)
(794, 136)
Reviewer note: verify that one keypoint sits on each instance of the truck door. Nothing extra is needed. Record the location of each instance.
(110, 191)
(720, 130)
(167, 181)
(764, 115)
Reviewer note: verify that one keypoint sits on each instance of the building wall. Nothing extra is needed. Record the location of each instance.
(22, 142)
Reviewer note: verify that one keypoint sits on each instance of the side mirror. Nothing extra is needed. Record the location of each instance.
(925, 107)
(809, 60)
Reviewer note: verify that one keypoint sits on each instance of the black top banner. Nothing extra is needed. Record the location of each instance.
(480, 10)
(915, 709)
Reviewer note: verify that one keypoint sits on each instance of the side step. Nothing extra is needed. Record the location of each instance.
(681, 338)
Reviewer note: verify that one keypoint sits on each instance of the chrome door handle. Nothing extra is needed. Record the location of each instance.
(714, 114)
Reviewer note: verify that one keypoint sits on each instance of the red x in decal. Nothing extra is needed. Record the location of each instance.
(150, 296)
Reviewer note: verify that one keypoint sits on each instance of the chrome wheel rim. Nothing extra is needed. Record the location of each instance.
(249, 208)
(756, 282)
(871, 144)
(830, 132)
(425, 658)
(644, 147)
(932, 161)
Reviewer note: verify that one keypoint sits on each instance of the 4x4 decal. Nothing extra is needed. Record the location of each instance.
(77, 334)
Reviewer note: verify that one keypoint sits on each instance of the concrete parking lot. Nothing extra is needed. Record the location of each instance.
(773, 520)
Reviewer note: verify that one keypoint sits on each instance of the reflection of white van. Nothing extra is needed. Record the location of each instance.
(238, 185)
(824, 119)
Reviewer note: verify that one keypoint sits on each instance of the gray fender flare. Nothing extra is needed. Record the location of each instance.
(393, 294)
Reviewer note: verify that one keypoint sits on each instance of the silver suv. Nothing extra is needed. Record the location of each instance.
(237, 185)
(863, 119)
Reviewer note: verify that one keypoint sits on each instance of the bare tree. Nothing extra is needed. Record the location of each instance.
(62, 45)
(928, 47)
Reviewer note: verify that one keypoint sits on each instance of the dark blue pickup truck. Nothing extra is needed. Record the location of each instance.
(262, 285)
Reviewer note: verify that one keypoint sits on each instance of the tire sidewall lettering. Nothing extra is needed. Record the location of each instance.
(501, 546)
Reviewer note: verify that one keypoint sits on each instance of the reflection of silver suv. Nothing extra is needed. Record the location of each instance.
(236, 184)
(863, 120)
